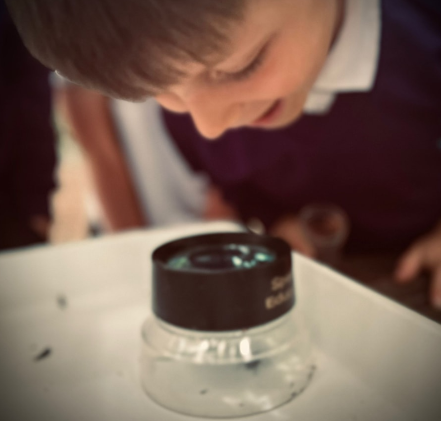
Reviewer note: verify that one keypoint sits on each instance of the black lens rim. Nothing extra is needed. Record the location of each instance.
(223, 299)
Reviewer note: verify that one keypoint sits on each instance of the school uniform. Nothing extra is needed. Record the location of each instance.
(369, 139)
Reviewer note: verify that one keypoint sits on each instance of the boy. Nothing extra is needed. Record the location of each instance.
(312, 101)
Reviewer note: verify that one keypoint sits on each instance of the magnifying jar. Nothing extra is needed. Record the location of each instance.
(224, 338)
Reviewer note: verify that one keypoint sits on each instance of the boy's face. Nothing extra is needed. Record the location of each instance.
(276, 55)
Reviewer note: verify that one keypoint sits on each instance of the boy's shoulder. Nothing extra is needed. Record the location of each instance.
(429, 10)
(431, 6)
(413, 23)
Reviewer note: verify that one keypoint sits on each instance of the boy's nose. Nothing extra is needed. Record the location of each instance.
(213, 115)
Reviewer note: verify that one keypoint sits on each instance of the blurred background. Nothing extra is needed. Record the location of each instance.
(68, 201)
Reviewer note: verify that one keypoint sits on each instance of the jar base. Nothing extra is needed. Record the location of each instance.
(226, 391)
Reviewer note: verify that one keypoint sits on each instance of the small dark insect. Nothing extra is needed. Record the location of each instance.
(293, 395)
(43, 354)
(253, 365)
(203, 391)
(62, 301)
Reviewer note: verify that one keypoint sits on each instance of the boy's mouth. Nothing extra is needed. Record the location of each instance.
(270, 115)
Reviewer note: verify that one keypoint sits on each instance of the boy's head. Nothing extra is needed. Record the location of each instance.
(229, 63)
(124, 48)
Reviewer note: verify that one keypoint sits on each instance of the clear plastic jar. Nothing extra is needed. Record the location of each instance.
(224, 372)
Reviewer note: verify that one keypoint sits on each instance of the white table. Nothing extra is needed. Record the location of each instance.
(86, 302)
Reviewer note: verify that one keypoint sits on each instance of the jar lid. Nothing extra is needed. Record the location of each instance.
(222, 281)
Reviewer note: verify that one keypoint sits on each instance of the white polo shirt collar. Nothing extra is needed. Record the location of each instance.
(352, 63)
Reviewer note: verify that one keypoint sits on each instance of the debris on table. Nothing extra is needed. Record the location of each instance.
(43, 354)
(62, 301)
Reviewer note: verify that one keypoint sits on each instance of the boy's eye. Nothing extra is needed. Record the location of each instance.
(247, 71)
(250, 69)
